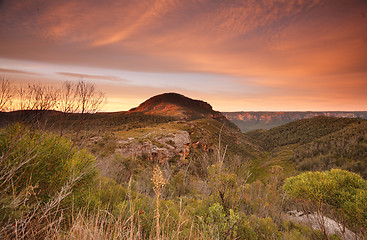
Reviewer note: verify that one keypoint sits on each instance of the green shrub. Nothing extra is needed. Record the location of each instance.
(41, 175)
(265, 228)
(344, 192)
(218, 225)
(245, 230)
(224, 187)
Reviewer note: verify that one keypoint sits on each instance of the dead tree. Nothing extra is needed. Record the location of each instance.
(35, 101)
(88, 101)
(67, 102)
(6, 94)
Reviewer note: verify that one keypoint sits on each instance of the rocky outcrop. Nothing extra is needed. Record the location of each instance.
(313, 220)
(157, 147)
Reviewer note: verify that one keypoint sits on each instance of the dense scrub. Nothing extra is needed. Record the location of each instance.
(41, 176)
(52, 188)
(302, 131)
(346, 148)
(319, 143)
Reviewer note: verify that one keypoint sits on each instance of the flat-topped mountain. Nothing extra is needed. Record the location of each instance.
(179, 106)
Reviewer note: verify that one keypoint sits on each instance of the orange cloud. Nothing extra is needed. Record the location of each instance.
(314, 49)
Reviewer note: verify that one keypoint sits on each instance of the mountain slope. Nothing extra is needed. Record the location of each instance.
(346, 148)
(302, 131)
(317, 144)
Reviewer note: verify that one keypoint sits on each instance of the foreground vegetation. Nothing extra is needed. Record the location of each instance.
(52, 190)
(64, 175)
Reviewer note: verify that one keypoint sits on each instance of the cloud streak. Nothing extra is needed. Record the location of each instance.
(14, 71)
(88, 76)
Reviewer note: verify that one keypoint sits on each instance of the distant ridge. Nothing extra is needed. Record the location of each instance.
(248, 121)
(181, 107)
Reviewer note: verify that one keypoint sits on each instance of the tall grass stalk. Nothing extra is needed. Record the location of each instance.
(159, 182)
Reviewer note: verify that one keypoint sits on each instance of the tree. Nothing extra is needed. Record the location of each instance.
(341, 191)
(40, 98)
(88, 99)
(67, 102)
(6, 94)
(36, 100)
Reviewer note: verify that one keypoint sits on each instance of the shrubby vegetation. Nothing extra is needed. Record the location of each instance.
(299, 132)
(51, 190)
(230, 186)
(41, 177)
(319, 144)
(346, 148)
(338, 193)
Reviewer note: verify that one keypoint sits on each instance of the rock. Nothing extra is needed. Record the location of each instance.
(159, 147)
(312, 220)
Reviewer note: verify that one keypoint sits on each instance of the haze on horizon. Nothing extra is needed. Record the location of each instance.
(266, 55)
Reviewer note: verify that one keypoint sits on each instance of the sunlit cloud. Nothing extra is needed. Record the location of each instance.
(14, 71)
(88, 76)
(266, 53)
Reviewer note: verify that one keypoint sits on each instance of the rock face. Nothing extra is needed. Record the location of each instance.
(248, 121)
(313, 221)
(157, 146)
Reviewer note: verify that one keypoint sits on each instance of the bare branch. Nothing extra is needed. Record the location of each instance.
(37, 97)
(6, 94)
(67, 101)
(88, 98)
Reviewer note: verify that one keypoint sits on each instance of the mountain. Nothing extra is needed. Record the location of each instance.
(248, 121)
(181, 107)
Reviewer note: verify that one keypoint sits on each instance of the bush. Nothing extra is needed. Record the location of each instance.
(342, 191)
(40, 176)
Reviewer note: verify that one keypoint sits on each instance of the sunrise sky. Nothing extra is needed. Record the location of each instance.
(250, 55)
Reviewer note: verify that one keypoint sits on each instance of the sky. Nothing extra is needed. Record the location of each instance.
(237, 55)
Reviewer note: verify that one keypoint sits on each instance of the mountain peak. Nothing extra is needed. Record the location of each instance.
(177, 105)
(174, 99)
